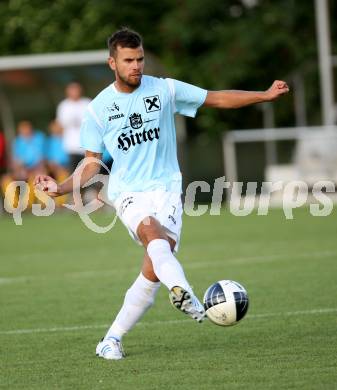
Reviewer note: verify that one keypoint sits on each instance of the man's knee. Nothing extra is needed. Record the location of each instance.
(150, 229)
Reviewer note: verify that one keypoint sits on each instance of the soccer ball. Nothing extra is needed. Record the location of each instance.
(226, 302)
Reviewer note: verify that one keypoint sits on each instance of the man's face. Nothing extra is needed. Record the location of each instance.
(25, 129)
(128, 65)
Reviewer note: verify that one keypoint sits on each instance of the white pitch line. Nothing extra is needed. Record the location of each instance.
(263, 259)
(51, 330)
(169, 322)
(294, 313)
(191, 265)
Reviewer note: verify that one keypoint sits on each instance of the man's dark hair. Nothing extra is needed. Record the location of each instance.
(124, 38)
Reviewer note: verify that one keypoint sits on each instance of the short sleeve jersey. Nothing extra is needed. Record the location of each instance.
(138, 131)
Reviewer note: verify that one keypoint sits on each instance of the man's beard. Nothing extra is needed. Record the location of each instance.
(129, 82)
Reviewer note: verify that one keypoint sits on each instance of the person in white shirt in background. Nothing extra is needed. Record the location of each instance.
(69, 114)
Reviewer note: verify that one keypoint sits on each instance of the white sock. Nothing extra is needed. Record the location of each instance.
(166, 266)
(138, 299)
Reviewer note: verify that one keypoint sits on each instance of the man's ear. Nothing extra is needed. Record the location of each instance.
(112, 63)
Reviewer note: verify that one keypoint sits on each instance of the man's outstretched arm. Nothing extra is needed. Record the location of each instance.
(237, 99)
(49, 185)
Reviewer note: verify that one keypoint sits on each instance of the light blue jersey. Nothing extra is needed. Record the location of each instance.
(138, 131)
(29, 151)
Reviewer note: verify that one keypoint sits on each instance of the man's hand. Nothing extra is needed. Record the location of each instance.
(47, 184)
(277, 89)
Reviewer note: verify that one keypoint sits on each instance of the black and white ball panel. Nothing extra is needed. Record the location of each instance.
(213, 296)
(226, 302)
(241, 303)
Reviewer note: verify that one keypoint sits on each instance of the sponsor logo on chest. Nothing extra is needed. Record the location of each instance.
(114, 110)
(116, 116)
(132, 138)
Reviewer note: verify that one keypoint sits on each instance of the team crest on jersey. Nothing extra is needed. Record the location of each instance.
(152, 103)
(136, 121)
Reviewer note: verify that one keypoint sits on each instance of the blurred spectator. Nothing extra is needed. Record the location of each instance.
(69, 114)
(27, 161)
(28, 152)
(57, 157)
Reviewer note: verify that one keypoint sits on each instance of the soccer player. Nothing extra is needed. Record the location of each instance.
(134, 119)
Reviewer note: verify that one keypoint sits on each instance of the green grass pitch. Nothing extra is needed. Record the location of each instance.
(61, 285)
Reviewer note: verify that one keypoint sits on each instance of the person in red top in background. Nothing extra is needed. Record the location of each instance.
(2, 152)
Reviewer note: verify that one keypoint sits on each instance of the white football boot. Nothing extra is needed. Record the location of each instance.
(188, 303)
(110, 349)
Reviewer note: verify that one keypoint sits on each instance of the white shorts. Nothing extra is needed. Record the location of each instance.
(133, 207)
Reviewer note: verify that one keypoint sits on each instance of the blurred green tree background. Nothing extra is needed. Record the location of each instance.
(229, 44)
